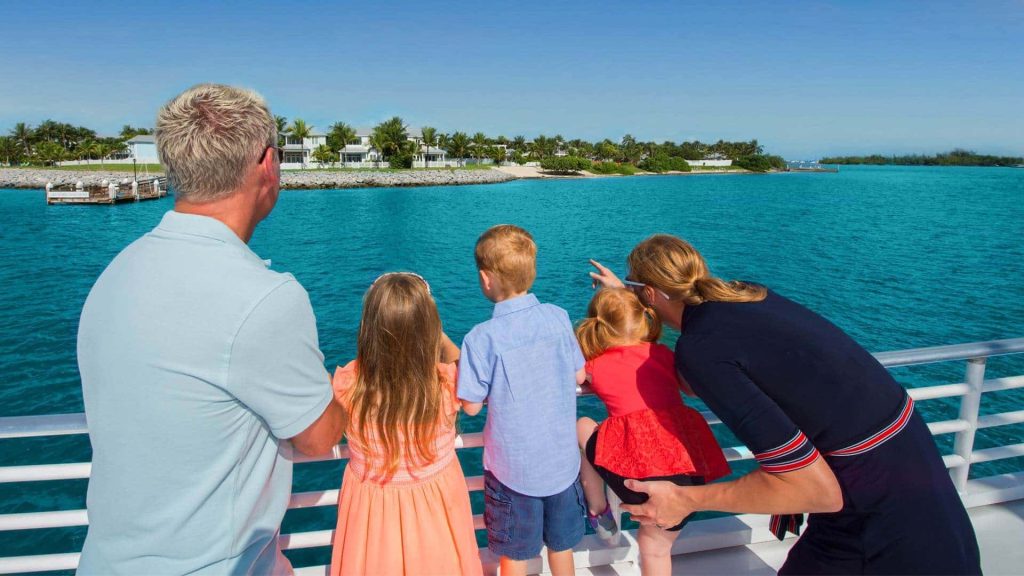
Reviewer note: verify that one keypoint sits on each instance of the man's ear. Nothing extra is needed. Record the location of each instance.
(485, 280)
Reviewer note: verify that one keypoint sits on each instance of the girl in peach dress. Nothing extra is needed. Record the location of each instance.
(404, 506)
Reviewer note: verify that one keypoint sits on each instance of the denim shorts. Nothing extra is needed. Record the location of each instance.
(517, 524)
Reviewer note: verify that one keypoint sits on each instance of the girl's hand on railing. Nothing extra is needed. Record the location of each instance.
(604, 277)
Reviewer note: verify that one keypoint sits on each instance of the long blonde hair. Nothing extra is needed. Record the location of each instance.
(398, 397)
(615, 316)
(675, 267)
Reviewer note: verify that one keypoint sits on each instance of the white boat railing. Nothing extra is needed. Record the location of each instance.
(700, 535)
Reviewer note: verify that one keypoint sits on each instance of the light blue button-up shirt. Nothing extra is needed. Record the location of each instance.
(523, 362)
(196, 361)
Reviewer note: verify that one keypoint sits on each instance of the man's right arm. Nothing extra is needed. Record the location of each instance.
(277, 370)
(323, 434)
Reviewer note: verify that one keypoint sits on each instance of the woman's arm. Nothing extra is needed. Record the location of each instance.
(810, 489)
(604, 277)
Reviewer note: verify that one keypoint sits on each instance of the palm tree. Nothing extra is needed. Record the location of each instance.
(340, 135)
(22, 134)
(429, 139)
(479, 142)
(300, 131)
(9, 150)
(391, 137)
(282, 128)
(519, 143)
(458, 144)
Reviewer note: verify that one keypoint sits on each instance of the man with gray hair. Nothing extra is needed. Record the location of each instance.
(201, 367)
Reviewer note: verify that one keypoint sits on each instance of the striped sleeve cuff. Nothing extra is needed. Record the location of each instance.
(795, 454)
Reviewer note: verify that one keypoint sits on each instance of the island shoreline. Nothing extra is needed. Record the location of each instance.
(37, 178)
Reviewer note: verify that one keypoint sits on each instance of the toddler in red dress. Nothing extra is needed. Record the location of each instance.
(650, 434)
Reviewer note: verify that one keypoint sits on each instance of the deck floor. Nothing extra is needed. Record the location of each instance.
(1000, 530)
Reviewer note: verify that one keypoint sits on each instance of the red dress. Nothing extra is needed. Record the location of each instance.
(649, 430)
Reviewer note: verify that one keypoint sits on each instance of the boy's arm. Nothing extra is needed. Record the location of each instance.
(471, 382)
(471, 408)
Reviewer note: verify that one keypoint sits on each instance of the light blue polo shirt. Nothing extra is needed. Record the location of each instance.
(523, 362)
(196, 361)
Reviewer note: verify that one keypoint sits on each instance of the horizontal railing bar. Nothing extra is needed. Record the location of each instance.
(39, 563)
(941, 391)
(949, 353)
(948, 426)
(36, 520)
(1000, 384)
(997, 453)
(40, 472)
(61, 424)
(953, 460)
(45, 425)
(1001, 419)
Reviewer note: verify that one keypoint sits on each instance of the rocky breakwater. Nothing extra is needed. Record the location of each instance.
(388, 178)
(37, 178)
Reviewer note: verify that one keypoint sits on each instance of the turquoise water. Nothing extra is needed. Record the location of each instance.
(898, 257)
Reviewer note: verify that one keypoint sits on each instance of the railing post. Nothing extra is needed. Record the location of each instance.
(963, 446)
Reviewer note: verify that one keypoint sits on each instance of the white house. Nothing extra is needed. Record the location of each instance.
(143, 149)
(715, 159)
(300, 152)
(362, 154)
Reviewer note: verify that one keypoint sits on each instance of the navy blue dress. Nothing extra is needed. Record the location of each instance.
(794, 387)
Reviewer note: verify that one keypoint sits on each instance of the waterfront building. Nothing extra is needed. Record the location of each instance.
(142, 149)
(714, 159)
(362, 154)
(299, 151)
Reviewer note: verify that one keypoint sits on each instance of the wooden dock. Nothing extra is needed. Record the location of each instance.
(107, 192)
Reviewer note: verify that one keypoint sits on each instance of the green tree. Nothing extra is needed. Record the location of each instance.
(458, 146)
(22, 134)
(519, 144)
(282, 128)
(565, 164)
(391, 137)
(10, 151)
(429, 140)
(479, 145)
(340, 135)
(497, 154)
(48, 153)
(324, 155)
(543, 147)
(606, 150)
(300, 131)
(128, 132)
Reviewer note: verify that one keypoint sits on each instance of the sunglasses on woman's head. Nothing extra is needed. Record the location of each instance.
(637, 287)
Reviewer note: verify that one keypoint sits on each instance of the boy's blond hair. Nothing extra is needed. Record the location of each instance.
(508, 252)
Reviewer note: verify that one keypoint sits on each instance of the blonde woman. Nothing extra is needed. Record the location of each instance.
(404, 505)
(833, 433)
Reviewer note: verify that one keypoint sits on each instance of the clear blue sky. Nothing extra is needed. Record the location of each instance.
(804, 78)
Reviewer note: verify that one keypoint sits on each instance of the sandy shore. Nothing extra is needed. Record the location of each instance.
(290, 179)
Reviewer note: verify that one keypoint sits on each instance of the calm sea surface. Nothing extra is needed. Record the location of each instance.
(898, 257)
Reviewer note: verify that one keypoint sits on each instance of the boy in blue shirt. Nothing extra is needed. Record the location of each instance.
(525, 362)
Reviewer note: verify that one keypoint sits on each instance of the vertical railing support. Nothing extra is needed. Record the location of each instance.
(963, 446)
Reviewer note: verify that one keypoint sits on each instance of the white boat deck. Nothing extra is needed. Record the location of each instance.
(1000, 530)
